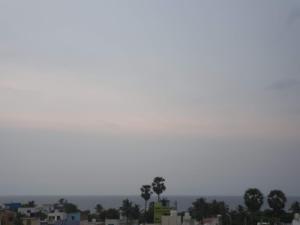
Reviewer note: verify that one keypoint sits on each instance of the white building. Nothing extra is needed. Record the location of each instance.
(46, 208)
(28, 211)
(296, 220)
(187, 219)
(173, 219)
(56, 216)
(112, 222)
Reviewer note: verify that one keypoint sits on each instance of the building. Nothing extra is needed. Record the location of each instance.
(211, 221)
(28, 211)
(112, 222)
(62, 218)
(56, 216)
(7, 217)
(13, 206)
(296, 220)
(173, 219)
(31, 221)
(46, 208)
(187, 220)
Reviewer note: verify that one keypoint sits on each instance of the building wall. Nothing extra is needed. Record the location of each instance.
(27, 211)
(31, 221)
(7, 218)
(56, 216)
(173, 219)
(112, 222)
(73, 216)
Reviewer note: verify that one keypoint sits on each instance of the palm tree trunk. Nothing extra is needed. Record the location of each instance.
(145, 212)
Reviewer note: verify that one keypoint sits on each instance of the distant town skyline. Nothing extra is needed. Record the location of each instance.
(100, 97)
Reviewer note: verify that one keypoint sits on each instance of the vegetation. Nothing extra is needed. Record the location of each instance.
(29, 204)
(111, 214)
(276, 201)
(158, 186)
(146, 195)
(70, 208)
(254, 199)
(250, 214)
(130, 211)
(202, 209)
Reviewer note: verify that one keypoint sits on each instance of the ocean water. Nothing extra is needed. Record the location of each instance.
(115, 201)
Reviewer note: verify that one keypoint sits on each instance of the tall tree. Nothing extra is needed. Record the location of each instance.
(158, 186)
(99, 209)
(277, 200)
(199, 209)
(111, 214)
(146, 195)
(253, 199)
(70, 208)
(130, 211)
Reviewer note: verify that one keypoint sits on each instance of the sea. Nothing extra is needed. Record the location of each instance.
(88, 202)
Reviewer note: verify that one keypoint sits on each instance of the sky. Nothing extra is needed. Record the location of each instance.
(99, 97)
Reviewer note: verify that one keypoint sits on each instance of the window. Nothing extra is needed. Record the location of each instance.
(73, 218)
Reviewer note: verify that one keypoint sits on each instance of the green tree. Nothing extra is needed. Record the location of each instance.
(99, 209)
(165, 202)
(146, 195)
(130, 211)
(112, 214)
(150, 213)
(158, 186)
(253, 199)
(29, 204)
(199, 209)
(70, 208)
(202, 209)
(62, 201)
(276, 201)
(18, 219)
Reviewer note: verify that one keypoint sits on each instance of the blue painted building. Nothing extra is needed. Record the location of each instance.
(14, 206)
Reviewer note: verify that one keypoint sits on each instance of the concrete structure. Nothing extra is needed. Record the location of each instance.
(13, 206)
(112, 222)
(296, 220)
(46, 208)
(187, 219)
(173, 219)
(7, 217)
(211, 221)
(61, 218)
(28, 211)
(31, 221)
(93, 222)
(56, 216)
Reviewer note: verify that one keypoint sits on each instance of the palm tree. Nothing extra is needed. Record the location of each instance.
(277, 200)
(254, 199)
(158, 186)
(146, 195)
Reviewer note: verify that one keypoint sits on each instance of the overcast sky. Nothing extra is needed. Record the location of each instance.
(98, 97)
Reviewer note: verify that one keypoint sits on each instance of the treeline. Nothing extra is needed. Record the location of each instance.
(251, 212)
(248, 214)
